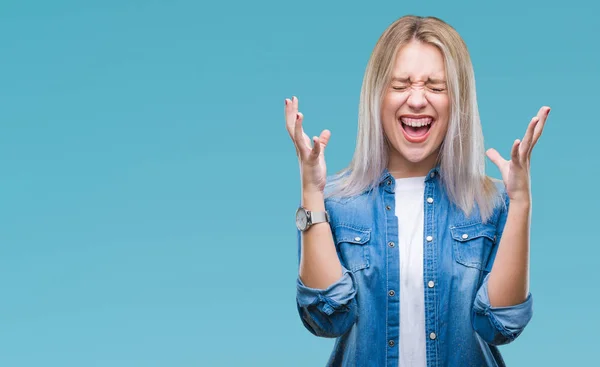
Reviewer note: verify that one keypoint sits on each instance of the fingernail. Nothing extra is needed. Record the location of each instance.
(548, 112)
(286, 101)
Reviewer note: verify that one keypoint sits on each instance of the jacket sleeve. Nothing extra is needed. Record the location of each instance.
(499, 325)
(327, 312)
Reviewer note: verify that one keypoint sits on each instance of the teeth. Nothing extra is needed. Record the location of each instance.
(416, 122)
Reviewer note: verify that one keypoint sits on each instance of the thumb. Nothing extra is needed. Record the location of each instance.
(495, 157)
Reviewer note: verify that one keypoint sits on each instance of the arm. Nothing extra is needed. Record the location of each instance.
(320, 266)
(325, 289)
(503, 305)
(501, 324)
(509, 279)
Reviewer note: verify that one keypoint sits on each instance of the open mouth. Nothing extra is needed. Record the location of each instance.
(416, 129)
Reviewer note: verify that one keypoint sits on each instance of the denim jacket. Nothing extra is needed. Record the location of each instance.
(361, 310)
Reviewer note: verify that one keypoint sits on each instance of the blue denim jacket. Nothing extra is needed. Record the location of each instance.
(362, 312)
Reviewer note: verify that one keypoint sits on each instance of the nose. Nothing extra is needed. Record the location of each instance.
(416, 99)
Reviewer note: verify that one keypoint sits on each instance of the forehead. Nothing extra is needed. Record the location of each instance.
(417, 60)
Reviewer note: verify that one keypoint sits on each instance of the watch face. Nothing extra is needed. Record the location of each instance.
(301, 219)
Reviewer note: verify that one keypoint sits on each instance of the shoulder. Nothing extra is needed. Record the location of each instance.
(338, 191)
(500, 197)
(500, 202)
(355, 210)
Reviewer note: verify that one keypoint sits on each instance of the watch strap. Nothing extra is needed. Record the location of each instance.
(319, 217)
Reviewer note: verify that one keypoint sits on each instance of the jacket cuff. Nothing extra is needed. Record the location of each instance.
(329, 300)
(499, 325)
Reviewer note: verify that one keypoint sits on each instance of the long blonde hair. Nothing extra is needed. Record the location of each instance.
(462, 157)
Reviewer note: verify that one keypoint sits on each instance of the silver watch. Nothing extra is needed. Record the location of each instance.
(306, 218)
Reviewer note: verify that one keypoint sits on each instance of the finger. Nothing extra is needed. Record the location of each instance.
(324, 138)
(302, 143)
(316, 150)
(495, 157)
(524, 147)
(514, 153)
(307, 140)
(540, 126)
(290, 118)
(298, 131)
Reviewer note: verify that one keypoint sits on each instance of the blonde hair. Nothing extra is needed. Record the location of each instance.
(462, 157)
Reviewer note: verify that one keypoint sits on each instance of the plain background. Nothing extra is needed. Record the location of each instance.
(148, 184)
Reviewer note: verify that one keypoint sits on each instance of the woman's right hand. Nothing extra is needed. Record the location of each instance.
(313, 171)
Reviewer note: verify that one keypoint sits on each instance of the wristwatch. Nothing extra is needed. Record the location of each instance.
(306, 218)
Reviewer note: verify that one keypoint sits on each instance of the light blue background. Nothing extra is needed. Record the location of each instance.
(148, 184)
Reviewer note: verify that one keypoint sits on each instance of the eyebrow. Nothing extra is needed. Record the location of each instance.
(429, 80)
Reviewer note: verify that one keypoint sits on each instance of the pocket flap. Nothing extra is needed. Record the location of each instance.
(466, 232)
(345, 233)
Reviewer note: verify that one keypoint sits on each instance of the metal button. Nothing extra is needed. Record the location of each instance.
(430, 284)
(432, 174)
(391, 343)
(388, 207)
(430, 200)
(465, 236)
(432, 336)
(391, 293)
(389, 182)
(356, 238)
(429, 238)
(391, 244)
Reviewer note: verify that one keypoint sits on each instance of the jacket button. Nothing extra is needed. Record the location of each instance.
(430, 284)
(391, 244)
(432, 336)
(391, 343)
(430, 200)
(465, 236)
(388, 207)
(429, 238)
(391, 293)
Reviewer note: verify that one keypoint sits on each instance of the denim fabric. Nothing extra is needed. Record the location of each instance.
(361, 312)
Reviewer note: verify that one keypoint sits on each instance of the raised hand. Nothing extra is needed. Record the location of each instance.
(516, 172)
(313, 171)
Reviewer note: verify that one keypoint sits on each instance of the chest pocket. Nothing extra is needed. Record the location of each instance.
(473, 244)
(352, 245)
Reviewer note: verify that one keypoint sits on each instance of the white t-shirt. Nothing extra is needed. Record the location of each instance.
(409, 194)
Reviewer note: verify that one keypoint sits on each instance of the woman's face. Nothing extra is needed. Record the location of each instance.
(416, 107)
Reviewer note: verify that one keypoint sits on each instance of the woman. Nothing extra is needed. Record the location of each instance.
(412, 256)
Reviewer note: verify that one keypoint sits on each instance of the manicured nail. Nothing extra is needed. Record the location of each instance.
(286, 101)
(548, 112)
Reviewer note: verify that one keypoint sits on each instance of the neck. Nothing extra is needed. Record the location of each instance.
(400, 167)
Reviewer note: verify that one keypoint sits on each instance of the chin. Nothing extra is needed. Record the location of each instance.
(415, 157)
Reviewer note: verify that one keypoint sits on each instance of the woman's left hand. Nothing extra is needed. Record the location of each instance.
(515, 172)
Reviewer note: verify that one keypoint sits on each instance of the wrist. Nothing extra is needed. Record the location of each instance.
(313, 200)
(520, 203)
